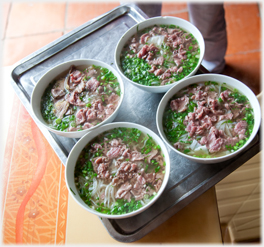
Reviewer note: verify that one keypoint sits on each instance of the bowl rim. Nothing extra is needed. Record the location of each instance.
(197, 79)
(201, 44)
(90, 136)
(71, 62)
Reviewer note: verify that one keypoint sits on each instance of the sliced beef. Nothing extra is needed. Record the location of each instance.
(203, 140)
(87, 125)
(157, 61)
(138, 189)
(98, 105)
(113, 99)
(178, 145)
(127, 167)
(114, 152)
(144, 37)
(127, 153)
(101, 167)
(80, 87)
(227, 116)
(102, 170)
(76, 76)
(134, 47)
(165, 75)
(153, 68)
(180, 70)
(73, 128)
(225, 95)
(114, 143)
(180, 104)
(151, 154)
(91, 73)
(80, 116)
(123, 190)
(91, 115)
(215, 141)
(109, 109)
(206, 122)
(60, 108)
(240, 129)
(158, 72)
(92, 84)
(231, 140)
(58, 91)
(199, 95)
(137, 156)
(95, 147)
(74, 99)
(147, 50)
(240, 126)
(158, 185)
(149, 177)
(143, 51)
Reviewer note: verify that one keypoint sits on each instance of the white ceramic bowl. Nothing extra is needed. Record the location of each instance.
(165, 20)
(49, 76)
(233, 83)
(76, 150)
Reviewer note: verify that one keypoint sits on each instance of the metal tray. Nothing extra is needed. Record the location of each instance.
(97, 39)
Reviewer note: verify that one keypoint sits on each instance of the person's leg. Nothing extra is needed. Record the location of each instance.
(210, 20)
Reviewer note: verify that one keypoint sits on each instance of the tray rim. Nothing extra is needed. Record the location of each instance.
(25, 99)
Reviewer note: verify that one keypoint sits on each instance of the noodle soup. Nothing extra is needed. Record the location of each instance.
(160, 55)
(80, 99)
(119, 171)
(208, 120)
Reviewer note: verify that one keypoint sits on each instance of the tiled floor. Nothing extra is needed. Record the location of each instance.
(29, 26)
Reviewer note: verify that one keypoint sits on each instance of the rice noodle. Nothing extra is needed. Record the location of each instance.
(224, 126)
(175, 124)
(194, 144)
(156, 40)
(201, 149)
(113, 167)
(143, 202)
(109, 199)
(94, 187)
(184, 137)
(219, 90)
(145, 141)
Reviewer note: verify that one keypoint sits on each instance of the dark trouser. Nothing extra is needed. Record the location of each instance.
(210, 20)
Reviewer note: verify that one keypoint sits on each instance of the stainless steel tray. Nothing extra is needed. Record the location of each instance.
(97, 39)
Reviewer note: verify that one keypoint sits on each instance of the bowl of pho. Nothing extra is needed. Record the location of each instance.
(118, 170)
(159, 52)
(208, 118)
(77, 96)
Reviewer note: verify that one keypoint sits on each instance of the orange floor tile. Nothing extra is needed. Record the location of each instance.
(243, 33)
(35, 18)
(35, 186)
(79, 13)
(17, 48)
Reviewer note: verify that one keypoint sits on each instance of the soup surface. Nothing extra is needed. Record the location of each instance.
(160, 55)
(119, 171)
(208, 120)
(80, 99)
